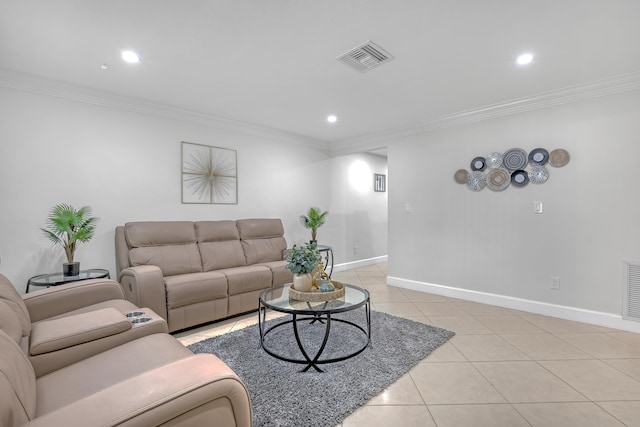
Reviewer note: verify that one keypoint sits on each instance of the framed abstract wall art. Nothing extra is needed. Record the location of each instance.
(209, 174)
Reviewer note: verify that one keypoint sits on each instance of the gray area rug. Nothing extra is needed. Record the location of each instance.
(283, 396)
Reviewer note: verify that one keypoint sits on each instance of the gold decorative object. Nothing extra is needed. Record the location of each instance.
(320, 274)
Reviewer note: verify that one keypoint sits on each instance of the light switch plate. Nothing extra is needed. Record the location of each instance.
(537, 207)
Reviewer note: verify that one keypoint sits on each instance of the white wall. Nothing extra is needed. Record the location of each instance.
(361, 212)
(492, 242)
(126, 166)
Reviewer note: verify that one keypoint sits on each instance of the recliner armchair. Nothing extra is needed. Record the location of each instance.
(151, 380)
(64, 324)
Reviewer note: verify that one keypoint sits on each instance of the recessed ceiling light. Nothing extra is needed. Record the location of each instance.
(130, 56)
(332, 119)
(104, 66)
(524, 59)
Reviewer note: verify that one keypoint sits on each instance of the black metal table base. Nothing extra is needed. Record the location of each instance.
(312, 361)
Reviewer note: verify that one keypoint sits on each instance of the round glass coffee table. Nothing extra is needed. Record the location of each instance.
(322, 313)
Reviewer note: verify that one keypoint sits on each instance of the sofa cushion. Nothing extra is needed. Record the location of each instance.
(262, 240)
(155, 233)
(171, 259)
(259, 228)
(279, 274)
(218, 255)
(246, 279)
(12, 298)
(264, 250)
(9, 322)
(170, 245)
(216, 231)
(72, 383)
(188, 289)
(17, 384)
(219, 244)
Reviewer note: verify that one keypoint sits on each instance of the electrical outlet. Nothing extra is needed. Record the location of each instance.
(355, 249)
(555, 282)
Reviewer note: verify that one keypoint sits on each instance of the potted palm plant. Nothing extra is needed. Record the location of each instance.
(301, 261)
(313, 220)
(69, 227)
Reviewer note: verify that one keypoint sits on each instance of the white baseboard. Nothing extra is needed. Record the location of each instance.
(360, 263)
(563, 312)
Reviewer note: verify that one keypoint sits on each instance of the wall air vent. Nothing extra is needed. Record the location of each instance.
(365, 57)
(631, 294)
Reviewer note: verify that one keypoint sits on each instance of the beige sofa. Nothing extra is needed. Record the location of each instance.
(196, 272)
(97, 369)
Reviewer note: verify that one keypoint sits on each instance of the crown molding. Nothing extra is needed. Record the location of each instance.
(606, 87)
(42, 86)
(34, 84)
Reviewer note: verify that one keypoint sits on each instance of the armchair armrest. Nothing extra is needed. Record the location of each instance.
(61, 333)
(108, 330)
(60, 299)
(144, 286)
(199, 390)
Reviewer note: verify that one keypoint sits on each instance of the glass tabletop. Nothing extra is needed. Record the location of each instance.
(277, 298)
(58, 278)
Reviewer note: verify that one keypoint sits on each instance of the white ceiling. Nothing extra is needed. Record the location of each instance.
(272, 62)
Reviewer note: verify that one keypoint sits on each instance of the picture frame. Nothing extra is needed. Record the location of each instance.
(379, 183)
(209, 174)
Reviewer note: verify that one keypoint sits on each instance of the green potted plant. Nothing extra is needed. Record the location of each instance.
(301, 261)
(314, 219)
(69, 227)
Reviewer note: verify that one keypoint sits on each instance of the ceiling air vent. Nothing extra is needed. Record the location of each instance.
(365, 57)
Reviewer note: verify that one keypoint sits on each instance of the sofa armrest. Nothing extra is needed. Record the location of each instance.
(64, 332)
(199, 390)
(144, 286)
(60, 299)
(44, 363)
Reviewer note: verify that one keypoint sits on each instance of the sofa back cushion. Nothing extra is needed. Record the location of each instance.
(219, 244)
(262, 239)
(12, 298)
(9, 322)
(17, 384)
(170, 245)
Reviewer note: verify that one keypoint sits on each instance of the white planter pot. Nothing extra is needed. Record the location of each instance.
(302, 282)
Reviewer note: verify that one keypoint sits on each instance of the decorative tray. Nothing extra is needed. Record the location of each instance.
(316, 296)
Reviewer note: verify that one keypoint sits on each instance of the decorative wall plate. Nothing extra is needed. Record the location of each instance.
(558, 158)
(538, 174)
(498, 179)
(476, 181)
(539, 156)
(514, 159)
(494, 160)
(478, 164)
(461, 176)
(519, 178)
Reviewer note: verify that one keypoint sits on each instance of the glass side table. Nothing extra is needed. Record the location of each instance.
(55, 279)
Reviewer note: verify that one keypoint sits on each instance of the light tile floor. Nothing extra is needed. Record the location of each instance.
(504, 368)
